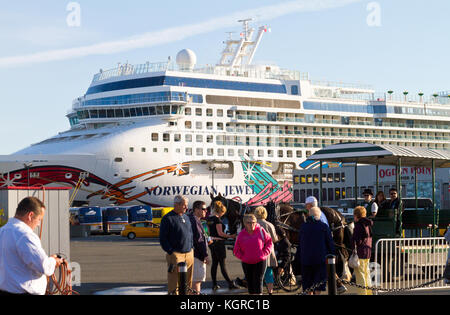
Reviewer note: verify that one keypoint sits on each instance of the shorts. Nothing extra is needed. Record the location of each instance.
(199, 271)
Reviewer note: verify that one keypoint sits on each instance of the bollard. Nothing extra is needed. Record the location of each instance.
(331, 270)
(182, 272)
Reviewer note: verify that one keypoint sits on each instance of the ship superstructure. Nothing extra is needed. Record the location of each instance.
(144, 133)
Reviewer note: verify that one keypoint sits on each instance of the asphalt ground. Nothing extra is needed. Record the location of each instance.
(114, 265)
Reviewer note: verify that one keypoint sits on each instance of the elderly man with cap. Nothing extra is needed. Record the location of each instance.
(310, 203)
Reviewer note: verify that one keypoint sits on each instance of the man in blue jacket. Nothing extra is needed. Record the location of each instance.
(176, 240)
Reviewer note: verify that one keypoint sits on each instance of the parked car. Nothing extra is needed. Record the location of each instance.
(140, 229)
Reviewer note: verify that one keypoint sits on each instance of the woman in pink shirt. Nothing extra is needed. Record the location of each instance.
(253, 246)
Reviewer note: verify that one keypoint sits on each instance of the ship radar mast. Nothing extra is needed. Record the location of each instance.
(238, 53)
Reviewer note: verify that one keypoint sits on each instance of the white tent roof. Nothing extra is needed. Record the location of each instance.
(366, 153)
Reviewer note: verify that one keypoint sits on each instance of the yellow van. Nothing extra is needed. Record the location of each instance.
(159, 213)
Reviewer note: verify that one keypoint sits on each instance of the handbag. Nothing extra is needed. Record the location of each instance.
(353, 261)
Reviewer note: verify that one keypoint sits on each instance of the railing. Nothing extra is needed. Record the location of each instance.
(259, 72)
(409, 262)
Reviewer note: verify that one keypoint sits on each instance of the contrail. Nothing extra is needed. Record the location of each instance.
(175, 33)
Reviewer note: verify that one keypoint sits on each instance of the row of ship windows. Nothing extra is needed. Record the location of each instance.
(274, 141)
(313, 131)
(230, 152)
(260, 116)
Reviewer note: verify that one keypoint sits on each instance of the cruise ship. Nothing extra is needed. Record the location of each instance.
(142, 134)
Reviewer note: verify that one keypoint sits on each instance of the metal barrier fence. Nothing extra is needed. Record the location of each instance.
(407, 263)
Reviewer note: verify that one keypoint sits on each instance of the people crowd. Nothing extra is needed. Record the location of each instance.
(264, 248)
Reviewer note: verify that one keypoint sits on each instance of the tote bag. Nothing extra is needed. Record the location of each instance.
(353, 262)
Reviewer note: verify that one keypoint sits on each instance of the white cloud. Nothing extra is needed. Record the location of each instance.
(175, 33)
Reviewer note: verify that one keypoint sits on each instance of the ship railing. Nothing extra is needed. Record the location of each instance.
(269, 72)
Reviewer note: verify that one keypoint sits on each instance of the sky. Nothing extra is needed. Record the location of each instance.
(50, 49)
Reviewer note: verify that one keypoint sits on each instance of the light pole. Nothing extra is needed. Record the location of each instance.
(27, 166)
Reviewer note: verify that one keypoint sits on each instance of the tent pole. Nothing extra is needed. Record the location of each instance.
(433, 189)
(378, 180)
(356, 185)
(320, 186)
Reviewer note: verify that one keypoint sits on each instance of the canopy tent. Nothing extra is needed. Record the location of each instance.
(367, 153)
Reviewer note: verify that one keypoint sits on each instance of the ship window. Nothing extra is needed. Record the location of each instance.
(302, 179)
(189, 151)
(220, 152)
(131, 149)
(155, 150)
(198, 112)
(299, 154)
(199, 151)
(209, 139)
(166, 109)
(166, 137)
(209, 112)
(230, 152)
(315, 178)
(94, 113)
(260, 153)
(143, 150)
(230, 113)
(241, 152)
(220, 113)
(118, 159)
(177, 137)
(139, 111)
(166, 150)
(330, 194)
(145, 111)
(198, 125)
(199, 138)
(133, 112)
(159, 110)
(330, 178)
(174, 109)
(294, 90)
(210, 152)
(126, 112)
(270, 153)
(337, 194)
(152, 111)
(188, 111)
(188, 124)
(154, 137)
(102, 113)
(337, 177)
(110, 113)
(219, 126)
(280, 153)
(209, 125)
(118, 113)
(289, 154)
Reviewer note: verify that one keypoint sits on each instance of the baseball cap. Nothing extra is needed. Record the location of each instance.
(311, 199)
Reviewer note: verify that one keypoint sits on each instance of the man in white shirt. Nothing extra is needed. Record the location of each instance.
(24, 265)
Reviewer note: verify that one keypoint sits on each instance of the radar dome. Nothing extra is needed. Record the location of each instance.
(186, 59)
